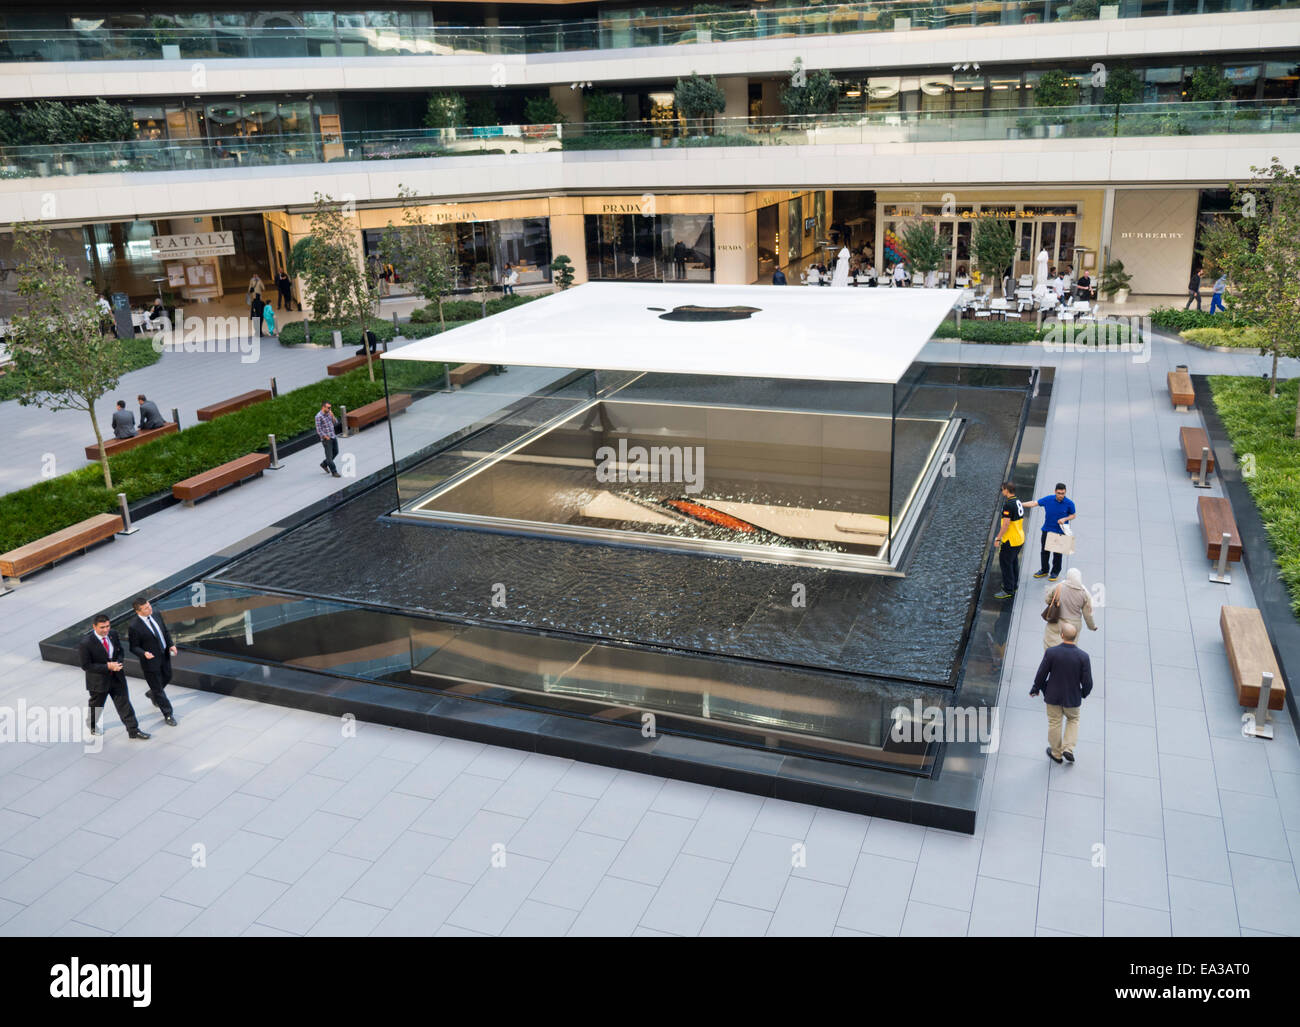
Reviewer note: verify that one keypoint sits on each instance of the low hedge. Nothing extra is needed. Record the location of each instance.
(1234, 337)
(36, 511)
(1265, 429)
(136, 353)
(1175, 319)
(466, 310)
(295, 334)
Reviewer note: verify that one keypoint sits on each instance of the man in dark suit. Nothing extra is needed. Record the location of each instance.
(151, 643)
(101, 658)
(123, 422)
(150, 415)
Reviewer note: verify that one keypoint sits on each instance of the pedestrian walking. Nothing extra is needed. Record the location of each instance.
(1220, 287)
(327, 432)
(151, 643)
(1073, 603)
(1064, 679)
(100, 651)
(254, 289)
(508, 279)
(778, 277)
(1010, 540)
(1194, 290)
(268, 319)
(1058, 511)
(255, 315)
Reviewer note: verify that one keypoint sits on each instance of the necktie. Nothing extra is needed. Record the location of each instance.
(107, 647)
(158, 633)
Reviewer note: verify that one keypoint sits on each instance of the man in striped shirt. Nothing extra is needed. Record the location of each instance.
(325, 432)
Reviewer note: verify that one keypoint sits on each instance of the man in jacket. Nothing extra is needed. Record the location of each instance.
(101, 652)
(123, 422)
(151, 643)
(1220, 286)
(150, 416)
(1194, 290)
(1065, 679)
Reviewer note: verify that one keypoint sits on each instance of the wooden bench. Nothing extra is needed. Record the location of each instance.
(1250, 654)
(378, 410)
(1180, 390)
(466, 373)
(1193, 440)
(227, 406)
(112, 446)
(45, 551)
(1215, 514)
(218, 478)
(350, 364)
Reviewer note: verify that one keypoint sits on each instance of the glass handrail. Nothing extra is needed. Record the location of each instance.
(1094, 121)
(612, 31)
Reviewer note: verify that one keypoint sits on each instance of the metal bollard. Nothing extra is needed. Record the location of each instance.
(343, 421)
(338, 340)
(1221, 575)
(1202, 481)
(275, 454)
(176, 418)
(275, 389)
(1038, 321)
(127, 529)
(446, 378)
(1257, 724)
(306, 330)
(396, 330)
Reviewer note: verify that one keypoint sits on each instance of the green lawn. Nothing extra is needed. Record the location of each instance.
(137, 353)
(1264, 429)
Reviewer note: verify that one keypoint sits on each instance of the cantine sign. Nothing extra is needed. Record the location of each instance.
(198, 244)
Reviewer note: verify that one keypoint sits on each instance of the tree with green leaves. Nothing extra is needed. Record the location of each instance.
(1208, 85)
(603, 107)
(1260, 252)
(480, 280)
(993, 245)
(481, 109)
(925, 249)
(542, 110)
(424, 253)
(1056, 88)
(1123, 85)
(341, 285)
(445, 110)
(698, 97)
(562, 269)
(814, 92)
(62, 361)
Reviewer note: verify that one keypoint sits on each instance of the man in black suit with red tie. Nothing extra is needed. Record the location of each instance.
(101, 658)
(151, 643)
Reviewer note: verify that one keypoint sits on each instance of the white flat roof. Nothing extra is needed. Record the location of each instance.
(821, 333)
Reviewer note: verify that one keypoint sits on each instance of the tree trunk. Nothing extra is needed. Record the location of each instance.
(442, 323)
(99, 441)
(1272, 385)
(365, 346)
(1297, 416)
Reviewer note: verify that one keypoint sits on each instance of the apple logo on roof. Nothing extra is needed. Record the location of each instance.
(694, 312)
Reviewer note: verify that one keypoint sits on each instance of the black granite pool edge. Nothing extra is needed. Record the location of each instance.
(1256, 554)
(949, 800)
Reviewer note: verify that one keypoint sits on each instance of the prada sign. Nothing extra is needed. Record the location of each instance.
(199, 244)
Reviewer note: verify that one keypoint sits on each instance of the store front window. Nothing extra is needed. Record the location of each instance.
(651, 248)
(523, 243)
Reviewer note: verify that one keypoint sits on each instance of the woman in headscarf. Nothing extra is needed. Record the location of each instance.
(1076, 607)
(268, 319)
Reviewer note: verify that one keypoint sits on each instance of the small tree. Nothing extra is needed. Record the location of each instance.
(815, 92)
(542, 110)
(603, 107)
(480, 280)
(562, 268)
(993, 244)
(445, 110)
(698, 97)
(1114, 279)
(339, 281)
(1207, 85)
(481, 109)
(1056, 88)
(424, 253)
(1260, 252)
(925, 250)
(61, 360)
(1123, 85)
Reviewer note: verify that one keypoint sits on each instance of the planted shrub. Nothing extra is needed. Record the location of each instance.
(295, 334)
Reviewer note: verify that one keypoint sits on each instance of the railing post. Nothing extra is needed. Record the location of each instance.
(275, 389)
(275, 454)
(1257, 724)
(1202, 481)
(127, 529)
(1221, 575)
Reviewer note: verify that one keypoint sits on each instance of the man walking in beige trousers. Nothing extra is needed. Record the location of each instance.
(1065, 679)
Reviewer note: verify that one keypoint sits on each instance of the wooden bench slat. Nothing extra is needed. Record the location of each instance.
(1180, 389)
(112, 446)
(466, 373)
(217, 478)
(1215, 514)
(227, 406)
(1192, 440)
(350, 364)
(1250, 653)
(378, 410)
(44, 551)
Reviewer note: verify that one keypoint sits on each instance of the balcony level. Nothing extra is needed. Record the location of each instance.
(481, 59)
(1145, 145)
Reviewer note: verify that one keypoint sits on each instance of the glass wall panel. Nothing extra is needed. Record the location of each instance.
(662, 247)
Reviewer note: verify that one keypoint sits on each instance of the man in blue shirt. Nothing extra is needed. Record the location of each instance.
(1057, 510)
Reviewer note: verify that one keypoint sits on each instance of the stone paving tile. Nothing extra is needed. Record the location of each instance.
(1003, 908)
(806, 909)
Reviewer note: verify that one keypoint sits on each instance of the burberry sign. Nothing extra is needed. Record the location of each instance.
(198, 244)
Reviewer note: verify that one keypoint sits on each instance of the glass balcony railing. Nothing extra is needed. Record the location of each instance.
(613, 30)
(1164, 119)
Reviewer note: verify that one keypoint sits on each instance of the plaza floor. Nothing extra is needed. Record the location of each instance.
(252, 819)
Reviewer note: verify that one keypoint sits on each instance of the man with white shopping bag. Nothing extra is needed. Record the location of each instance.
(1057, 540)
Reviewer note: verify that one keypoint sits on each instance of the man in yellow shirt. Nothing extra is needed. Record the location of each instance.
(1011, 537)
